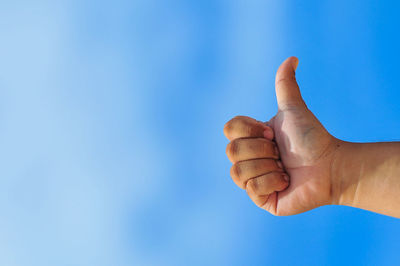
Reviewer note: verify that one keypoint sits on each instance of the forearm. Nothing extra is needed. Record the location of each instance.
(367, 176)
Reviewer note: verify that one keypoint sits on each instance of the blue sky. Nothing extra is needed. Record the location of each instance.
(111, 117)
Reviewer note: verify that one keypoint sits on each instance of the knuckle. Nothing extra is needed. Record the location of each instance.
(240, 117)
(286, 80)
(231, 124)
(227, 128)
(237, 119)
(232, 149)
(235, 172)
(241, 126)
(252, 186)
(240, 121)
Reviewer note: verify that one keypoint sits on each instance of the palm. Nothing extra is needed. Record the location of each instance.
(306, 152)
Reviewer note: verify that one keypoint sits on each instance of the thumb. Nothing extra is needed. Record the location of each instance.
(286, 88)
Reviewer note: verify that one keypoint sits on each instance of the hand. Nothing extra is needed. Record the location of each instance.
(284, 164)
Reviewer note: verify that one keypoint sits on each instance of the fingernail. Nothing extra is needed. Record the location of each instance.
(296, 63)
(268, 133)
(279, 163)
(286, 177)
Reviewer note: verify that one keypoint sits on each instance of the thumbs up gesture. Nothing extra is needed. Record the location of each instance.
(283, 164)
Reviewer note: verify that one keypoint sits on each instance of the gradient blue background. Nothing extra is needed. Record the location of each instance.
(111, 117)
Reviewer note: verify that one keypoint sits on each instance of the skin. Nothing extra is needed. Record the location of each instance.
(291, 164)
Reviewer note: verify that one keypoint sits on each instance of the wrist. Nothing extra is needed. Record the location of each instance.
(345, 173)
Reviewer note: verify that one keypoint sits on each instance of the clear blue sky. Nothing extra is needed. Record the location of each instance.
(111, 117)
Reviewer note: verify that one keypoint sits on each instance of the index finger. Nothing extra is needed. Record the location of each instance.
(246, 127)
